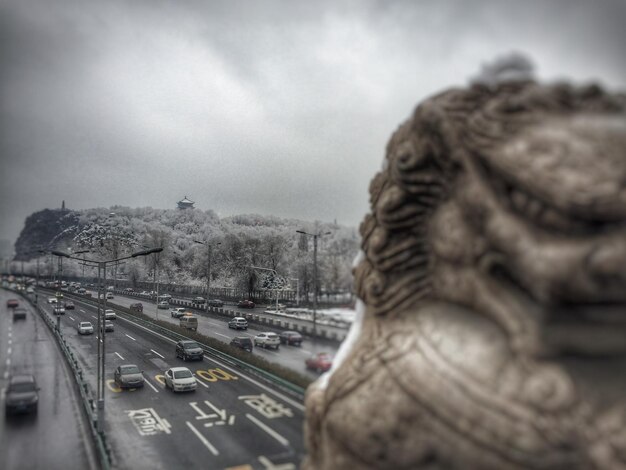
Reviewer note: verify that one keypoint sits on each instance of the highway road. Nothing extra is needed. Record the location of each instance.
(231, 420)
(216, 326)
(56, 437)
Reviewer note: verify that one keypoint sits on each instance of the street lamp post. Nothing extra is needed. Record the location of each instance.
(156, 281)
(102, 265)
(208, 274)
(315, 280)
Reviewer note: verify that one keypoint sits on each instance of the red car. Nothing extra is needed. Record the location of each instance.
(245, 304)
(320, 362)
(12, 303)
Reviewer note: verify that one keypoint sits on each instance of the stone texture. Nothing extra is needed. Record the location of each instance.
(494, 284)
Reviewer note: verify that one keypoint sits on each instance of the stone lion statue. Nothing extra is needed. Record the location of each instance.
(492, 287)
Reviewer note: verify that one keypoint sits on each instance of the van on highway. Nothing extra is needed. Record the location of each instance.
(189, 322)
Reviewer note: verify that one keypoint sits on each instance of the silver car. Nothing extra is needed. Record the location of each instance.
(85, 328)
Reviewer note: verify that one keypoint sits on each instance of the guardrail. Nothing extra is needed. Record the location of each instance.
(86, 393)
(152, 325)
(285, 323)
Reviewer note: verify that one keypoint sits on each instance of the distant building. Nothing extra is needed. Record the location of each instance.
(185, 203)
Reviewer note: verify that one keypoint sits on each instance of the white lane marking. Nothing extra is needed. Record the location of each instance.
(10, 342)
(131, 337)
(151, 386)
(220, 334)
(9, 351)
(118, 355)
(306, 351)
(203, 439)
(71, 318)
(93, 316)
(8, 362)
(268, 430)
(6, 374)
(267, 464)
(82, 310)
(162, 357)
(284, 398)
(200, 381)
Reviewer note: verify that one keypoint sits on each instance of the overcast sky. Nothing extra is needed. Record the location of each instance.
(270, 107)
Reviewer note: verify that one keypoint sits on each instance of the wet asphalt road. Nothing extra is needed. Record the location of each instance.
(216, 326)
(229, 421)
(56, 436)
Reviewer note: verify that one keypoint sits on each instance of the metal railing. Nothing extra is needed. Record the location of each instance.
(86, 394)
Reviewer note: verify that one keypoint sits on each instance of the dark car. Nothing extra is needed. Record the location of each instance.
(245, 304)
(189, 350)
(290, 338)
(69, 305)
(22, 395)
(216, 303)
(128, 376)
(138, 307)
(242, 342)
(320, 362)
(198, 300)
(19, 314)
(12, 303)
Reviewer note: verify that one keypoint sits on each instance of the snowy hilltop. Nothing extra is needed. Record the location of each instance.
(238, 242)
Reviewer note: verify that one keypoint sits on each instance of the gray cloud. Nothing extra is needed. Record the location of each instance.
(272, 107)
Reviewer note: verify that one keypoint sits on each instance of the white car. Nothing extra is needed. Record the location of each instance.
(163, 305)
(109, 314)
(30, 290)
(52, 300)
(267, 340)
(85, 328)
(238, 323)
(59, 310)
(177, 312)
(109, 295)
(180, 379)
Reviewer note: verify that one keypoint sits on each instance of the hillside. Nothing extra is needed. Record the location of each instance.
(238, 242)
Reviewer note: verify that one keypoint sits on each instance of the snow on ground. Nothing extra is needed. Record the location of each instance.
(329, 316)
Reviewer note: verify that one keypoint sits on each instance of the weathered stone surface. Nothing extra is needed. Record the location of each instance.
(493, 279)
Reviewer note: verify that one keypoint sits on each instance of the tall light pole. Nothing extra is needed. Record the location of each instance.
(102, 265)
(208, 274)
(315, 281)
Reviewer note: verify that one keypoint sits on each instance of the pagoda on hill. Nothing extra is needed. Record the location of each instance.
(185, 203)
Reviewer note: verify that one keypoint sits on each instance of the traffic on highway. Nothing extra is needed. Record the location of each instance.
(45, 416)
(291, 354)
(165, 410)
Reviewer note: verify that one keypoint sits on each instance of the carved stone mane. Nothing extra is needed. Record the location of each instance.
(493, 283)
